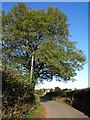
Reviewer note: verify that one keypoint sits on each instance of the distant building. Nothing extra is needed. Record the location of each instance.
(46, 90)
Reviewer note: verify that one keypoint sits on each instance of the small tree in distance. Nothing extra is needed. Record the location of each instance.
(37, 43)
(57, 89)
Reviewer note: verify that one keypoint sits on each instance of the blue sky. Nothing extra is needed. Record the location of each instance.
(77, 13)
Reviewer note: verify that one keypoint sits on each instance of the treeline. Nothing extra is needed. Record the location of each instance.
(16, 96)
(78, 98)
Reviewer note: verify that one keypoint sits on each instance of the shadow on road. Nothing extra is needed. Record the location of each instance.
(48, 96)
(43, 99)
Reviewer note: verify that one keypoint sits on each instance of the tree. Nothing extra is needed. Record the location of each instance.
(51, 90)
(57, 89)
(37, 42)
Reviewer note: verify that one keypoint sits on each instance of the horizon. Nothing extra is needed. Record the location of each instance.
(63, 88)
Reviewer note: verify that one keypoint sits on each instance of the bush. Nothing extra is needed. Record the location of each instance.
(67, 101)
(16, 97)
(51, 95)
(81, 100)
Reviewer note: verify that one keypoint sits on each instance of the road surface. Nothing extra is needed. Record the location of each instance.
(61, 110)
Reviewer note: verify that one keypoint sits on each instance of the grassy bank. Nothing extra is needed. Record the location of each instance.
(63, 100)
(38, 111)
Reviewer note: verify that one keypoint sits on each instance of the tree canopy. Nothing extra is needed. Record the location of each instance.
(37, 42)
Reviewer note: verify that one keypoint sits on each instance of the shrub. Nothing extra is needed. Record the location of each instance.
(81, 100)
(16, 97)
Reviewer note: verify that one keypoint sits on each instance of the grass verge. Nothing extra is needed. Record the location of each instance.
(38, 111)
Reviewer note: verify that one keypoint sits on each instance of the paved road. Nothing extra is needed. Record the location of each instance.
(61, 110)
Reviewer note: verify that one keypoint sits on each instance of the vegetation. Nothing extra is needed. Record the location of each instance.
(81, 100)
(40, 92)
(16, 97)
(18, 100)
(37, 112)
(31, 114)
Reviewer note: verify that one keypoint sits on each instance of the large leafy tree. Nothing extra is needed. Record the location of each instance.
(37, 42)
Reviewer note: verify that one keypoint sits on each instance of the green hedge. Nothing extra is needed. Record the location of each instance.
(16, 97)
(82, 100)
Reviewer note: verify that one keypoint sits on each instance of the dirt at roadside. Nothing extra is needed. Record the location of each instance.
(41, 114)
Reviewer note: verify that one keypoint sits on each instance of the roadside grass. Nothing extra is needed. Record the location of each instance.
(31, 114)
(37, 112)
(41, 113)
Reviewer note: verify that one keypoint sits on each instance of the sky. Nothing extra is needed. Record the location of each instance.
(77, 13)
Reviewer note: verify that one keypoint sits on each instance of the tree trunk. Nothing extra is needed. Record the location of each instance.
(31, 72)
(32, 81)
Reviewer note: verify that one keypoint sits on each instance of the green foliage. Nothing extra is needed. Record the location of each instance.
(51, 90)
(57, 89)
(67, 101)
(52, 94)
(43, 34)
(31, 114)
(16, 96)
(39, 92)
(81, 100)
